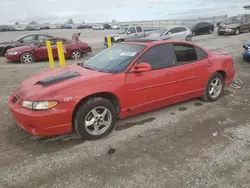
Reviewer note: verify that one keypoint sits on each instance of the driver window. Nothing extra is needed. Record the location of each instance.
(132, 30)
(159, 57)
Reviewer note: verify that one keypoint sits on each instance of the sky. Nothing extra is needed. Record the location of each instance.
(55, 11)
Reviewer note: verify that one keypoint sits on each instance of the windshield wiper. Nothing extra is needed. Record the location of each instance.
(89, 68)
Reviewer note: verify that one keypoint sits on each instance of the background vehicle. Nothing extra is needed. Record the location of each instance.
(38, 51)
(175, 33)
(30, 28)
(66, 27)
(23, 41)
(115, 26)
(235, 25)
(202, 28)
(129, 32)
(98, 27)
(114, 86)
(246, 52)
(107, 26)
(45, 27)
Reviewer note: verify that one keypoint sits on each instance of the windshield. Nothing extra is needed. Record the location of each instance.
(114, 59)
(233, 20)
(122, 30)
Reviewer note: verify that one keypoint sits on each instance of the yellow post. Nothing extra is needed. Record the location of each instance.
(61, 54)
(50, 54)
(109, 41)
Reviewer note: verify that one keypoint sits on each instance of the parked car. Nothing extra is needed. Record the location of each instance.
(202, 28)
(23, 41)
(38, 51)
(98, 27)
(174, 33)
(246, 52)
(235, 25)
(104, 88)
(107, 26)
(45, 27)
(66, 27)
(129, 32)
(115, 27)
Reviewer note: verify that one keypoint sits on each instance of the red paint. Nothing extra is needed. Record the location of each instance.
(40, 52)
(136, 92)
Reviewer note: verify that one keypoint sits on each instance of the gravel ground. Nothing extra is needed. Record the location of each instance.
(191, 144)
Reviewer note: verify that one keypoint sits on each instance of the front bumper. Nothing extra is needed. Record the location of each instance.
(51, 122)
(227, 31)
(13, 57)
(246, 56)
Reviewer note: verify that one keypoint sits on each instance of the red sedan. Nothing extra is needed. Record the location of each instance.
(127, 79)
(38, 51)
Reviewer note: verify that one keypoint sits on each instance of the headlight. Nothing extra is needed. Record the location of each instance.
(12, 53)
(39, 105)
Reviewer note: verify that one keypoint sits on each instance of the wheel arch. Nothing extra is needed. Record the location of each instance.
(107, 95)
(222, 72)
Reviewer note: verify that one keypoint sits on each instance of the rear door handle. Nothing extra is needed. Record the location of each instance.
(168, 73)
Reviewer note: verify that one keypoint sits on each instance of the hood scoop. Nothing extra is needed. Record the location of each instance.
(58, 78)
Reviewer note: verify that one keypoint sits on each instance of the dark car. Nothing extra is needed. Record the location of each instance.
(45, 27)
(107, 26)
(202, 28)
(22, 41)
(38, 51)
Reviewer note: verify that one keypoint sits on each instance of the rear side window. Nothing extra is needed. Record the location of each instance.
(185, 53)
(139, 29)
(181, 29)
(200, 53)
(174, 30)
(159, 57)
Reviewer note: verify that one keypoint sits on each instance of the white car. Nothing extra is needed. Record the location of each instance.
(174, 33)
(98, 27)
(115, 26)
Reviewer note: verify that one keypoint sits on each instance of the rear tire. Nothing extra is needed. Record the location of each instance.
(95, 118)
(27, 58)
(76, 54)
(214, 88)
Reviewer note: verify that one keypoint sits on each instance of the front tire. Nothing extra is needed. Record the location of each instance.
(237, 31)
(27, 58)
(189, 38)
(214, 88)
(95, 118)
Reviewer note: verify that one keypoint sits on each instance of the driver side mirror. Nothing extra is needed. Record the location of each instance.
(169, 33)
(128, 32)
(21, 41)
(142, 67)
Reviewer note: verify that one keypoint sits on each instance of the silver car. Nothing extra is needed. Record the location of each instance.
(174, 33)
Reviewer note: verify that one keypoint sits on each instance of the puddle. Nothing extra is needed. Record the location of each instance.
(182, 109)
(128, 125)
(111, 151)
(198, 104)
(172, 113)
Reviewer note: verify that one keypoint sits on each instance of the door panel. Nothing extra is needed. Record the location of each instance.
(41, 53)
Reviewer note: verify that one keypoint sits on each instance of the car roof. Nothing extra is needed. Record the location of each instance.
(149, 42)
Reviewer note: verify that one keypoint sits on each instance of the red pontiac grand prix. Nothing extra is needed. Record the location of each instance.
(127, 79)
(38, 51)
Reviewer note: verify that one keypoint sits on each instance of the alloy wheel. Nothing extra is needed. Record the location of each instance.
(76, 55)
(215, 88)
(27, 58)
(98, 120)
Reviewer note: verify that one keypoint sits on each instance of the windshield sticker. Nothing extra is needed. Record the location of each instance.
(128, 54)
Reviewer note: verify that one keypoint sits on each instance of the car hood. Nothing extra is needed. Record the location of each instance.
(159, 37)
(115, 35)
(52, 82)
(229, 25)
(21, 49)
